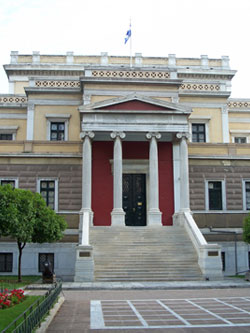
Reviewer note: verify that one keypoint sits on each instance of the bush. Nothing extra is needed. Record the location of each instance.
(246, 229)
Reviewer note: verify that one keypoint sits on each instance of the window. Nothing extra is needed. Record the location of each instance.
(215, 195)
(198, 133)
(57, 126)
(6, 136)
(48, 188)
(240, 139)
(8, 132)
(249, 260)
(6, 261)
(45, 257)
(12, 181)
(246, 194)
(223, 261)
(57, 131)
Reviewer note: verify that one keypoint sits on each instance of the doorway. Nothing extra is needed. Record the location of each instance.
(134, 199)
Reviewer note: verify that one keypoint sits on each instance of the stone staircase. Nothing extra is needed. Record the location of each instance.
(143, 254)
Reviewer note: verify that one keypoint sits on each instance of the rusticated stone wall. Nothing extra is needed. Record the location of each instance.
(69, 180)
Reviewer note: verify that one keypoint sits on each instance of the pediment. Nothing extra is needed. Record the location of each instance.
(136, 102)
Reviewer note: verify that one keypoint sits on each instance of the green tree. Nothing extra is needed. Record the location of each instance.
(25, 217)
(246, 229)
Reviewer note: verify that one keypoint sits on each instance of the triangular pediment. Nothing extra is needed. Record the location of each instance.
(136, 102)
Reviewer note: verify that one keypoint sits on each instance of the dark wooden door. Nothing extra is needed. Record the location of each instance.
(134, 199)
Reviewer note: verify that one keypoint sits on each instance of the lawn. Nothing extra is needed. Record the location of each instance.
(10, 314)
(10, 282)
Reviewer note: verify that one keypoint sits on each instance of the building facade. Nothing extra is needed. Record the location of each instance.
(106, 144)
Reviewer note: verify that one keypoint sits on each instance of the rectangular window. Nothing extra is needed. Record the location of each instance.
(6, 262)
(198, 133)
(240, 139)
(249, 260)
(4, 136)
(223, 261)
(215, 194)
(47, 191)
(247, 195)
(8, 181)
(45, 257)
(57, 131)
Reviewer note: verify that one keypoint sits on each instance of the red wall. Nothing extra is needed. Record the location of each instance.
(102, 190)
(134, 105)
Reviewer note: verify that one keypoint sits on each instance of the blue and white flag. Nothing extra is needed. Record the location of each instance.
(128, 34)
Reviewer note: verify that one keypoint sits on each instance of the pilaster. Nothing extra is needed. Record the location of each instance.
(30, 121)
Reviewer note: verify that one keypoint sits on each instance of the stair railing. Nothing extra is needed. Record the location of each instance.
(209, 255)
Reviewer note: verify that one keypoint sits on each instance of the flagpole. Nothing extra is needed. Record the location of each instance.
(130, 45)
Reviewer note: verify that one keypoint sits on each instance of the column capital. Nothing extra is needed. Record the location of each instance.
(224, 109)
(151, 135)
(114, 135)
(183, 135)
(89, 134)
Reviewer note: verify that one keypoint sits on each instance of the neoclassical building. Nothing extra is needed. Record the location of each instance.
(136, 158)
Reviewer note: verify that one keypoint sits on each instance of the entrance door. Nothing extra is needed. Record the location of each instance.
(134, 199)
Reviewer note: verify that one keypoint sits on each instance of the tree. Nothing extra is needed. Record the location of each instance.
(25, 217)
(246, 229)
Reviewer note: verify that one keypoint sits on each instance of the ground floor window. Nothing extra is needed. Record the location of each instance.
(45, 257)
(12, 182)
(48, 188)
(223, 261)
(247, 195)
(215, 195)
(6, 262)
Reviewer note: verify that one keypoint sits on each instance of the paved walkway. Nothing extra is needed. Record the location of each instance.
(147, 310)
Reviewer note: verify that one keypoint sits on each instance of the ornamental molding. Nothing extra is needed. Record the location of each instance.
(88, 134)
(57, 84)
(147, 74)
(13, 99)
(238, 104)
(200, 87)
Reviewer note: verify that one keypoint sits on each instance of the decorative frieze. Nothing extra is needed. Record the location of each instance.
(238, 104)
(200, 87)
(131, 74)
(57, 84)
(13, 99)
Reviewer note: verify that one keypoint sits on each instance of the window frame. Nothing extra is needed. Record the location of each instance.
(58, 118)
(223, 195)
(240, 137)
(203, 121)
(12, 130)
(244, 200)
(5, 262)
(56, 189)
(9, 179)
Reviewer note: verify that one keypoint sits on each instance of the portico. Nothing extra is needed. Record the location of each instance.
(131, 130)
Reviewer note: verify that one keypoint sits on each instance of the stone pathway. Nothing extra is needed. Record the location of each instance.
(207, 310)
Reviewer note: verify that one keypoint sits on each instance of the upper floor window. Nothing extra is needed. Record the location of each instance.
(48, 188)
(215, 195)
(58, 127)
(6, 136)
(198, 133)
(240, 139)
(57, 131)
(6, 261)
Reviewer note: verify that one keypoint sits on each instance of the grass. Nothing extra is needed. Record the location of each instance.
(10, 314)
(11, 282)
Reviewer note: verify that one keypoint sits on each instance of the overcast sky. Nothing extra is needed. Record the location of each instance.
(188, 28)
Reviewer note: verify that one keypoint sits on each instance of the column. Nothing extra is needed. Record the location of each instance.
(117, 215)
(184, 174)
(154, 214)
(86, 171)
(30, 121)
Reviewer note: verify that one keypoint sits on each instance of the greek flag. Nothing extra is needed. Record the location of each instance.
(128, 34)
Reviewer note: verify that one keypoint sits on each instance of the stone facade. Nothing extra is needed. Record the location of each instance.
(82, 122)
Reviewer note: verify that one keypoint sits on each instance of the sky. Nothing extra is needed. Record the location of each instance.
(187, 28)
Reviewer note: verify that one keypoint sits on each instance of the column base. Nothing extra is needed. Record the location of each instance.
(84, 265)
(118, 217)
(154, 217)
